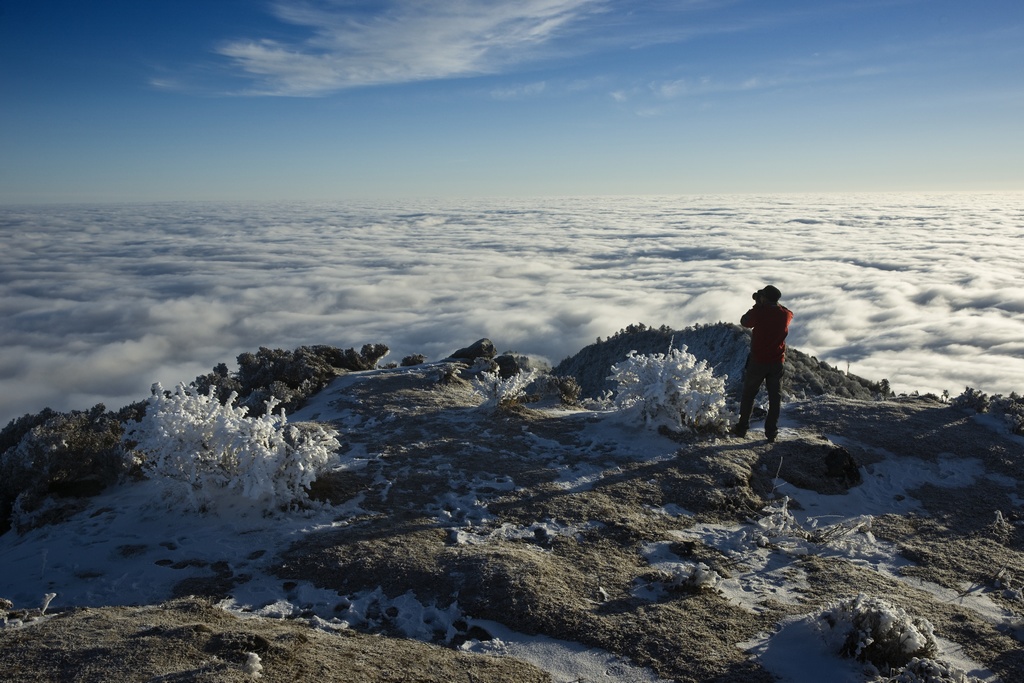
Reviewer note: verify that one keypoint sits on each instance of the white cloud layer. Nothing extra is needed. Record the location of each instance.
(98, 302)
(399, 42)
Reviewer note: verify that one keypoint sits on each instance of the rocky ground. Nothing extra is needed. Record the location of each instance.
(558, 520)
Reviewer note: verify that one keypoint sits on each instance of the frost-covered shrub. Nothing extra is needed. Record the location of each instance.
(724, 346)
(694, 577)
(971, 399)
(872, 630)
(253, 665)
(503, 393)
(414, 359)
(1010, 408)
(776, 526)
(930, 671)
(551, 387)
(52, 460)
(290, 377)
(674, 390)
(201, 447)
(568, 389)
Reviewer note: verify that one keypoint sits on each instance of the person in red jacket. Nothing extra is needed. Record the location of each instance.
(769, 321)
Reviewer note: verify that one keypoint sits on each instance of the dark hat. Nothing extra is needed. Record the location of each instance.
(771, 293)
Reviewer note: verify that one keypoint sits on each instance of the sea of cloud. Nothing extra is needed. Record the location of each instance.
(100, 301)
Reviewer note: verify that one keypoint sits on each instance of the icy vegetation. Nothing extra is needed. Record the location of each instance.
(1009, 408)
(673, 390)
(286, 377)
(51, 462)
(499, 392)
(201, 448)
(872, 630)
(724, 346)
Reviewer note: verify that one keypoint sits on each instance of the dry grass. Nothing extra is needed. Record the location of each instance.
(579, 586)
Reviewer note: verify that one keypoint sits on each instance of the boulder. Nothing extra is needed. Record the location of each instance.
(483, 348)
(507, 366)
(841, 465)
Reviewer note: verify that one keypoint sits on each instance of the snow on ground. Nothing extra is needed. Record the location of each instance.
(764, 554)
(798, 653)
(566, 662)
(128, 547)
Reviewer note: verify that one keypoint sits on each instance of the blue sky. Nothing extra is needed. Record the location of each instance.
(126, 100)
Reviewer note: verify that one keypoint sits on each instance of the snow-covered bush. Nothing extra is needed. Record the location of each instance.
(930, 671)
(694, 577)
(503, 393)
(201, 447)
(971, 399)
(253, 665)
(1010, 408)
(674, 390)
(872, 630)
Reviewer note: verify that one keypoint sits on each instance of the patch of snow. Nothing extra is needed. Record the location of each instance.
(578, 478)
(761, 554)
(974, 598)
(670, 510)
(997, 424)
(797, 653)
(453, 509)
(885, 487)
(609, 434)
(1001, 480)
(802, 651)
(953, 654)
(540, 532)
(564, 661)
(128, 547)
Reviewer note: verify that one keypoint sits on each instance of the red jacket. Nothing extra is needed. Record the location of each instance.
(770, 323)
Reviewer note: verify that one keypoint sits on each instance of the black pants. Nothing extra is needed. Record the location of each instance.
(770, 374)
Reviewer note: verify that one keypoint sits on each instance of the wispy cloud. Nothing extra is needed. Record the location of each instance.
(349, 43)
(519, 92)
(401, 42)
(655, 97)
